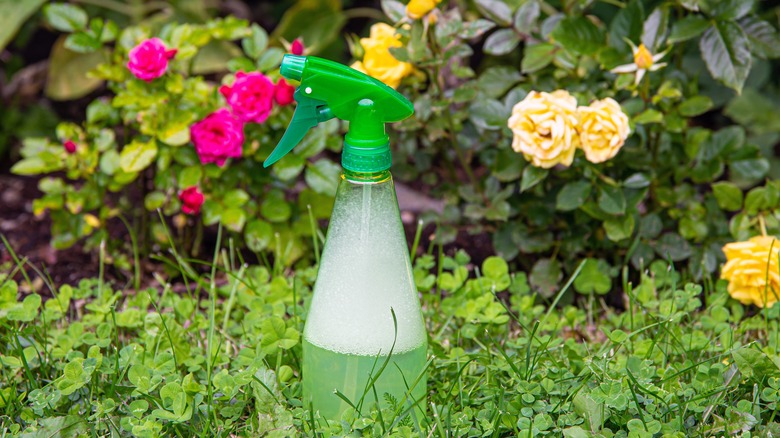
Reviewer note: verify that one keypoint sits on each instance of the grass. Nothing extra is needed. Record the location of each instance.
(222, 356)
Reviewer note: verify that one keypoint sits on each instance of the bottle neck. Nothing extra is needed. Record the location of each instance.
(366, 177)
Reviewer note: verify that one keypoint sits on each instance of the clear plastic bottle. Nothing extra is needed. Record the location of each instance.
(350, 331)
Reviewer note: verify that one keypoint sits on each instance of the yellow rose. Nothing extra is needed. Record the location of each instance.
(752, 270)
(377, 61)
(603, 129)
(417, 8)
(545, 128)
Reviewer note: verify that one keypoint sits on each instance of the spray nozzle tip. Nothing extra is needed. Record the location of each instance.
(292, 66)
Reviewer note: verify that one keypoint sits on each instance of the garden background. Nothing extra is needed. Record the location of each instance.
(589, 188)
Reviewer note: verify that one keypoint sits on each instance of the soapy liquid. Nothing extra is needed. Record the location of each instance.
(365, 274)
(326, 371)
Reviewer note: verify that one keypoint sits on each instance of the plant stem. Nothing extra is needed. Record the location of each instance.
(364, 13)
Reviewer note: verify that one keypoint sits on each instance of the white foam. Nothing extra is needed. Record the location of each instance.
(363, 274)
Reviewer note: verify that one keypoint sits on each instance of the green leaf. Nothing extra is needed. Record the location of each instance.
(395, 10)
(754, 364)
(323, 176)
(593, 278)
(672, 246)
(532, 176)
(317, 22)
(75, 376)
(592, 411)
(649, 116)
(473, 29)
(138, 408)
(761, 198)
(612, 200)
(189, 176)
(575, 432)
(726, 51)
(728, 195)
(255, 45)
(691, 5)
(496, 10)
(25, 311)
(137, 156)
(501, 42)
(154, 200)
(275, 208)
(233, 219)
(241, 64)
(99, 111)
(214, 57)
(687, 28)
(637, 181)
(488, 114)
(654, 28)
(572, 195)
(764, 38)
(526, 16)
(494, 82)
(578, 34)
(211, 211)
(290, 166)
(276, 335)
(627, 24)
(15, 14)
(619, 228)
(727, 9)
(695, 106)
(748, 171)
(68, 70)
(545, 276)
(494, 267)
(175, 404)
(65, 17)
(258, 235)
(235, 198)
(35, 166)
(82, 43)
(537, 57)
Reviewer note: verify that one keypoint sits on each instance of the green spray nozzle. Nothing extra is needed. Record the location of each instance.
(329, 89)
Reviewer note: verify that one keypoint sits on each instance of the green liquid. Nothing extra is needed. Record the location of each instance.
(325, 371)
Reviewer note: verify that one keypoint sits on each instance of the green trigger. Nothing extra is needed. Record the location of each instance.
(307, 115)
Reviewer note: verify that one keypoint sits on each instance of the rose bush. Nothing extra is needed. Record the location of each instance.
(189, 146)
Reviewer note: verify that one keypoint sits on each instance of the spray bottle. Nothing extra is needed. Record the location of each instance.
(364, 338)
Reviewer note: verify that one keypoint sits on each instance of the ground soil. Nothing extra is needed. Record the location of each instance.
(29, 236)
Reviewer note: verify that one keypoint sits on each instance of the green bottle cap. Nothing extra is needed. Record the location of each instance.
(329, 89)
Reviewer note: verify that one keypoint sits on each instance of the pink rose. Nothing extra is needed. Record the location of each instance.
(69, 146)
(191, 199)
(250, 97)
(149, 60)
(283, 94)
(218, 137)
(296, 48)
